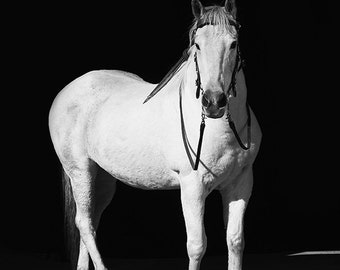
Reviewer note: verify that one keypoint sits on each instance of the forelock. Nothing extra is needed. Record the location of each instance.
(217, 16)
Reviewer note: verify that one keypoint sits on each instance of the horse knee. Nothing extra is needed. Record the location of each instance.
(235, 242)
(196, 250)
(84, 225)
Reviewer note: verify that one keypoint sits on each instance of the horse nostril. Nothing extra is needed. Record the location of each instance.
(205, 101)
(222, 101)
(218, 100)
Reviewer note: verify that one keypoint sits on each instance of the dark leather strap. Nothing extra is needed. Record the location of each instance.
(233, 128)
(198, 79)
(199, 146)
(232, 86)
(186, 143)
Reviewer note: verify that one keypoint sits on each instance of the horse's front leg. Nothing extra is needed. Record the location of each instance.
(235, 198)
(193, 198)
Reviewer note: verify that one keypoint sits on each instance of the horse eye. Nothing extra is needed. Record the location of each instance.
(233, 45)
(197, 47)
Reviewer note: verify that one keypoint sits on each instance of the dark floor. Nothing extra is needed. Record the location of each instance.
(10, 261)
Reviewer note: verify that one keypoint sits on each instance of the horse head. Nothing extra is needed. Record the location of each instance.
(214, 38)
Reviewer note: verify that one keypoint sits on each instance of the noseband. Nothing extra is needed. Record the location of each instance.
(231, 91)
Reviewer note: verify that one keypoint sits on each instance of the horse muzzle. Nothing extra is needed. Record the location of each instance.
(214, 103)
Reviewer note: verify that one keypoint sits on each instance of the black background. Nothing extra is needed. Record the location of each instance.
(289, 50)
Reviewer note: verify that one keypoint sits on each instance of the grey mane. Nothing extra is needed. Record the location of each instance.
(214, 15)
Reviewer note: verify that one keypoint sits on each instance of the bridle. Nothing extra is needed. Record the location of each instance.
(232, 86)
(231, 92)
(237, 66)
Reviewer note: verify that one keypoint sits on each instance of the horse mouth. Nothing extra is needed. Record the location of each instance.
(214, 114)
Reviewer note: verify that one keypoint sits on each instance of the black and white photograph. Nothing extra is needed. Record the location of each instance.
(182, 135)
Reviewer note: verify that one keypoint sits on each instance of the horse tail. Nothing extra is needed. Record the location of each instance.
(71, 232)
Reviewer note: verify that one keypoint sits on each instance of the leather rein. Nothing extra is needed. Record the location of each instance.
(199, 90)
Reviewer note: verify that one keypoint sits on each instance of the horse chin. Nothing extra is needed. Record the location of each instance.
(215, 114)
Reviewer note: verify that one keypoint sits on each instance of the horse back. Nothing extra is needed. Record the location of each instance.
(72, 108)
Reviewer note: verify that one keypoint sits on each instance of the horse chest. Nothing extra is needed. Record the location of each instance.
(221, 167)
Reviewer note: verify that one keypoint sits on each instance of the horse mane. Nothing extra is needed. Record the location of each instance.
(214, 15)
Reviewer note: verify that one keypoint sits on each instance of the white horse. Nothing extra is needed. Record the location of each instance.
(99, 121)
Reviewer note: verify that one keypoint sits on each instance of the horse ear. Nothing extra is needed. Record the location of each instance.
(197, 8)
(231, 8)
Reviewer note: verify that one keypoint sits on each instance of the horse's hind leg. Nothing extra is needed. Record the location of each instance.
(82, 175)
(105, 187)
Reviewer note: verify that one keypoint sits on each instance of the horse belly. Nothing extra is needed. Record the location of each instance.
(133, 156)
(140, 170)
